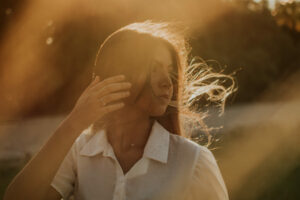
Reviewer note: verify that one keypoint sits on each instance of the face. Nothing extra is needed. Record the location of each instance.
(157, 95)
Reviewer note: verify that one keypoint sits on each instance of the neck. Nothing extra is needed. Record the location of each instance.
(128, 128)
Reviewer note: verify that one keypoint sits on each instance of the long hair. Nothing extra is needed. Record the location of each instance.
(129, 51)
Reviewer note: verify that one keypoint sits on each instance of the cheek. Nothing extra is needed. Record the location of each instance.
(154, 83)
(146, 99)
(157, 106)
(151, 104)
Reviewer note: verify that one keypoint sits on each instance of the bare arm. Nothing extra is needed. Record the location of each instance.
(33, 181)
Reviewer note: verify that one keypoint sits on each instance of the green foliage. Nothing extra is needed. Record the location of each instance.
(251, 43)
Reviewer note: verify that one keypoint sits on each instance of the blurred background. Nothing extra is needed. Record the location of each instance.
(47, 50)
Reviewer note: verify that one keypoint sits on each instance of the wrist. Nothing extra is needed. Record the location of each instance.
(73, 123)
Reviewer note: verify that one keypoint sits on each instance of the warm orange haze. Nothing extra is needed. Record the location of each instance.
(245, 107)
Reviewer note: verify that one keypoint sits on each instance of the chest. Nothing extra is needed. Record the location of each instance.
(127, 159)
(102, 178)
(144, 176)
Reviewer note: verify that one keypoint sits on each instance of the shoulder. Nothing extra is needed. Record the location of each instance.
(202, 154)
(180, 140)
(207, 181)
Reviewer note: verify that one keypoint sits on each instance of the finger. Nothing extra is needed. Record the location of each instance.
(114, 97)
(109, 80)
(93, 82)
(110, 108)
(113, 87)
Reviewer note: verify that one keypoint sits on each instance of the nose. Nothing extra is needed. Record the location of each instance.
(165, 82)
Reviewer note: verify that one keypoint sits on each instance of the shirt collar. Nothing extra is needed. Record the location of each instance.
(157, 146)
(96, 144)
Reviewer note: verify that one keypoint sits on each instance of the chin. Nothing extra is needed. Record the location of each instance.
(158, 112)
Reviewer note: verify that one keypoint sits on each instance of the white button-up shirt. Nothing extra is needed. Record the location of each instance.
(172, 167)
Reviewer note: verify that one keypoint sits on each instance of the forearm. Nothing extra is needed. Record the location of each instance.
(34, 180)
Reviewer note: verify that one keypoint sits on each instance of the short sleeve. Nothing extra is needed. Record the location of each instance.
(207, 182)
(64, 180)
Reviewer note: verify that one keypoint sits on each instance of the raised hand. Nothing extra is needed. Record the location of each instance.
(99, 99)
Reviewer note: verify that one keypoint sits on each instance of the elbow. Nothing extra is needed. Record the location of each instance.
(13, 193)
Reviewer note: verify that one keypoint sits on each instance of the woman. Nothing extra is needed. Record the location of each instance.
(124, 139)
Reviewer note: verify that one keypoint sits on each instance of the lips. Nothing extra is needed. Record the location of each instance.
(164, 96)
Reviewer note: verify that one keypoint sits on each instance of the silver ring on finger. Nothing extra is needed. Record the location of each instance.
(102, 102)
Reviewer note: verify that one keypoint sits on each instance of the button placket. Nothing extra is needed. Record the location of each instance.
(119, 193)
